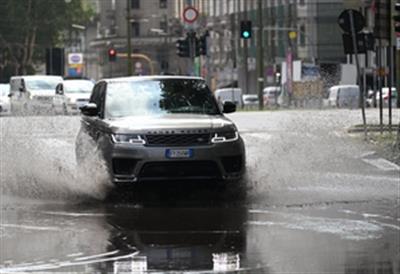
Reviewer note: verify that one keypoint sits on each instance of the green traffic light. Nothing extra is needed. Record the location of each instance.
(245, 34)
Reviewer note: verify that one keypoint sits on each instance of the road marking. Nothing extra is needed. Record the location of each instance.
(382, 164)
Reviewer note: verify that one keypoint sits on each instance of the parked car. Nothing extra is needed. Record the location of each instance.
(33, 94)
(250, 100)
(70, 95)
(4, 99)
(229, 94)
(344, 96)
(385, 97)
(271, 95)
(160, 128)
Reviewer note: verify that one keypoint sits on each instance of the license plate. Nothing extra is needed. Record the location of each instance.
(179, 153)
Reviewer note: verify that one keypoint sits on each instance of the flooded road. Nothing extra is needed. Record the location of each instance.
(313, 203)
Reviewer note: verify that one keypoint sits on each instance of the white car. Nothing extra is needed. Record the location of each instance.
(385, 97)
(32, 94)
(71, 95)
(4, 99)
(250, 100)
(233, 95)
(344, 96)
(271, 95)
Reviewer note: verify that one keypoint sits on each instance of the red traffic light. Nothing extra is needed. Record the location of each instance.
(112, 52)
(112, 55)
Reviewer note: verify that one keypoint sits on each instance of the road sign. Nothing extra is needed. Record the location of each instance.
(75, 58)
(190, 15)
(344, 20)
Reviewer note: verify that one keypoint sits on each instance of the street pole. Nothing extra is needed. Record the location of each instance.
(260, 56)
(360, 81)
(245, 55)
(128, 35)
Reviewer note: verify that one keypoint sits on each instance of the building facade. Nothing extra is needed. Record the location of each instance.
(310, 20)
(154, 30)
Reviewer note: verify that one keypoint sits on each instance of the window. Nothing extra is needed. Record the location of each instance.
(163, 26)
(303, 36)
(135, 27)
(135, 4)
(163, 4)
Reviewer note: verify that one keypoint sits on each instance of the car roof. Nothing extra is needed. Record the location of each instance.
(36, 76)
(345, 86)
(222, 89)
(152, 77)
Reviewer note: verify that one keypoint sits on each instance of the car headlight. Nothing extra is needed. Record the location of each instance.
(225, 136)
(128, 139)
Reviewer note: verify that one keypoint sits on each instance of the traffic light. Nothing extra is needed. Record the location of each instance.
(201, 45)
(112, 54)
(396, 17)
(245, 29)
(182, 47)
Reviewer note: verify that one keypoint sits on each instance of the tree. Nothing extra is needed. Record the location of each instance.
(27, 27)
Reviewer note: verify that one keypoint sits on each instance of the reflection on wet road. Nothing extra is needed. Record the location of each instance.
(311, 205)
(173, 233)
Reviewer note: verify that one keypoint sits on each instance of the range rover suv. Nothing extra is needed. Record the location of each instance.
(161, 128)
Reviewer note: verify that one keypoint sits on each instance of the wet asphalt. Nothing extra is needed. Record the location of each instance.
(315, 200)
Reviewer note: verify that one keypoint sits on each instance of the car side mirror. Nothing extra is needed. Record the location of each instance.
(10, 95)
(90, 109)
(60, 89)
(21, 89)
(229, 107)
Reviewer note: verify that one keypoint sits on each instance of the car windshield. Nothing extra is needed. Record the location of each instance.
(79, 86)
(157, 97)
(40, 84)
(251, 99)
(4, 90)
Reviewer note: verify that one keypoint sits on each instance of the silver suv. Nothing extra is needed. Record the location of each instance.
(161, 128)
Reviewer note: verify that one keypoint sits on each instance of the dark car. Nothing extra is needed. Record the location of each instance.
(161, 128)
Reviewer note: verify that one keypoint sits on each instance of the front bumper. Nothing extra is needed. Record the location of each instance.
(129, 163)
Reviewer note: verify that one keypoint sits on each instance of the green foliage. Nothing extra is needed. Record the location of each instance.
(27, 27)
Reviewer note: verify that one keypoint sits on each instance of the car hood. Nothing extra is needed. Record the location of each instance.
(178, 123)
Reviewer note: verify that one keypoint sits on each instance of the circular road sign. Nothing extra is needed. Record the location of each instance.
(344, 20)
(190, 15)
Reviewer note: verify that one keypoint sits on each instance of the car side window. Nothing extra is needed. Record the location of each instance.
(94, 98)
(101, 98)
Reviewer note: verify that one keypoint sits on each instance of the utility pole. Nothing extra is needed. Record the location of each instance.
(128, 35)
(260, 56)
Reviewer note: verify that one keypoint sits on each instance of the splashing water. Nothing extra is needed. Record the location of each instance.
(37, 160)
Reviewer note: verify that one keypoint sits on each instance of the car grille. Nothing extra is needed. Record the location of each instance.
(179, 169)
(177, 139)
(82, 100)
(43, 98)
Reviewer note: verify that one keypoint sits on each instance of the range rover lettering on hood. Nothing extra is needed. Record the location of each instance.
(179, 131)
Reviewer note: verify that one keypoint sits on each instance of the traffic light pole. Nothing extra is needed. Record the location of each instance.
(260, 56)
(192, 50)
(245, 55)
(360, 81)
